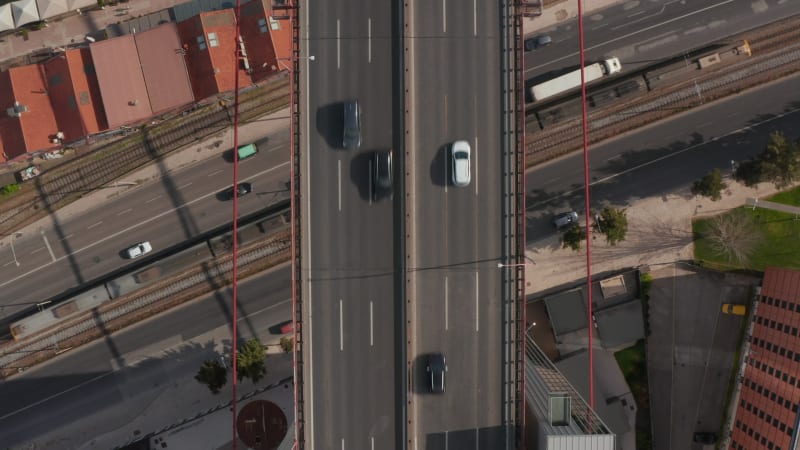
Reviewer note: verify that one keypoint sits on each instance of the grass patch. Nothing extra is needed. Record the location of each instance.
(633, 363)
(9, 189)
(777, 246)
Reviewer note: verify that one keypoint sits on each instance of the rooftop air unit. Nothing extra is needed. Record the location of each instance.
(16, 110)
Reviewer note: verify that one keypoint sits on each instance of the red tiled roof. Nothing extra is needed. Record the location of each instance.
(164, 68)
(770, 391)
(121, 81)
(210, 43)
(255, 26)
(281, 33)
(33, 130)
(75, 94)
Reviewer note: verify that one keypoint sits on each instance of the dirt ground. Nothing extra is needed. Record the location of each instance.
(659, 232)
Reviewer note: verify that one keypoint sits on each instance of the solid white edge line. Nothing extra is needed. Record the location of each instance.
(371, 328)
(308, 341)
(477, 311)
(476, 165)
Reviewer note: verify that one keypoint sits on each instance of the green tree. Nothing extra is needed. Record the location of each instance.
(213, 375)
(250, 361)
(614, 224)
(711, 185)
(779, 161)
(749, 172)
(9, 189)
(287, 344)
(573, 236)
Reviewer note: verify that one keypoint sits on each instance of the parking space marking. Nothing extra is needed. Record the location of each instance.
(47, 244)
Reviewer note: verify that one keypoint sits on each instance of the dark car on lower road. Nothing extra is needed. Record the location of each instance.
(705, 437)
(566, 219)
(242, 188)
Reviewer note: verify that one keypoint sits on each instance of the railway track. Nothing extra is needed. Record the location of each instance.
(68, 182)
(775, 53)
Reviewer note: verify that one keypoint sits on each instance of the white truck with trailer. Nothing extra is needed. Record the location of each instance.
(572, 80)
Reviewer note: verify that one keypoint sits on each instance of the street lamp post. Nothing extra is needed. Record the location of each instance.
(501, 265)
(13, 253)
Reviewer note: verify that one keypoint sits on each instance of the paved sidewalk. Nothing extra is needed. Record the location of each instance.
(177, 160)
(561, 12)
(73, 29)
(153, 408)
(659, 232)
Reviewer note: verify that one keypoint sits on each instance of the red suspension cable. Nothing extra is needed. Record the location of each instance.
(234, 333)
(587, 207)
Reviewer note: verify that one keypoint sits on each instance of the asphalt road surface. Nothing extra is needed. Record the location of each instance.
(166, 212)
(666, 156)
(455, 296)
(349, 237)
(641, 33)
(101, 387)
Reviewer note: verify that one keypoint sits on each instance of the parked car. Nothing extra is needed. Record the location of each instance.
(437, 367)
(736, 310)
(138, 250)
(565, 219)
(461, 162)
(705, 438)
(241, 188)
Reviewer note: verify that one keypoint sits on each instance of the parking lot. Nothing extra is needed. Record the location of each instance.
(691, 350)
